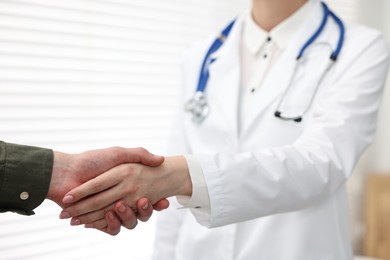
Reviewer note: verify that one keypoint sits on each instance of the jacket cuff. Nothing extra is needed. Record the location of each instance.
(25, 174)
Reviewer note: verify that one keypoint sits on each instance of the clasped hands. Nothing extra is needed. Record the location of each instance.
(109, 188)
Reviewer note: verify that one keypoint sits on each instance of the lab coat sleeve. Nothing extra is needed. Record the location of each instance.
(274, 180)
(200, 196)
(170, 220)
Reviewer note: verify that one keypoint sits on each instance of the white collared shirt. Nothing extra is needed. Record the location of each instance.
(259, 51)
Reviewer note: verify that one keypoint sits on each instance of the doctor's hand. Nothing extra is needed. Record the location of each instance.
(128, 183)
(72, 170)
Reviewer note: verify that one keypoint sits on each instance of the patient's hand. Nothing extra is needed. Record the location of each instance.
(123, 215)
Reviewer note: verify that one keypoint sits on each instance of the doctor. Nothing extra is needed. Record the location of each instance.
(269, 144)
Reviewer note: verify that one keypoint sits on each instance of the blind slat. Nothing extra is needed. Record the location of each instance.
(80, 74)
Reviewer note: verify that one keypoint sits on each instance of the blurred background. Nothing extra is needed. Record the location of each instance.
(85, 74)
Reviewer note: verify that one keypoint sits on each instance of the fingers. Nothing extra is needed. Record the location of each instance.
(145, 157)
(110, 224)
(145, 209)
(93, 203)
(161, 205)
(126, 215)
(98, 184)
(91, 217)
(103, 223)
(113, 224)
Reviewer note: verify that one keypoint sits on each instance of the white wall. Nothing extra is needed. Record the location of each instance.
(373, 13)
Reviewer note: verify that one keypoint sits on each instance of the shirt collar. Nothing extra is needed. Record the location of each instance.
(254, 36)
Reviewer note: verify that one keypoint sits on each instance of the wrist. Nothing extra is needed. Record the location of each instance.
(178, 176)
(60, 162)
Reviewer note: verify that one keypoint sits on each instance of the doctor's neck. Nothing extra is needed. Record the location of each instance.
(269, 13)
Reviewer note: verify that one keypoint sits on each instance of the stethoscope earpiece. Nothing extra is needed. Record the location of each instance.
(278, 114)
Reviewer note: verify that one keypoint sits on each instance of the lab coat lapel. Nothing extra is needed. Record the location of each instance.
(225, 76)
(278, 79)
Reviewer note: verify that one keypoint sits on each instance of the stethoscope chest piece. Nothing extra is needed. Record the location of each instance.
(198, 107)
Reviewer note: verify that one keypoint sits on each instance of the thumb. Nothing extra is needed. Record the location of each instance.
(147, 158)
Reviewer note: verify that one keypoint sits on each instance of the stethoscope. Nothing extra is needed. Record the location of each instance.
(198, 104)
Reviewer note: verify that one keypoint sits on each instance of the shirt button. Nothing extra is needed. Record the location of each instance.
(24, 195)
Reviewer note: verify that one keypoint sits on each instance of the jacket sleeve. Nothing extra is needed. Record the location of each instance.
(25, 174)
(274, 180)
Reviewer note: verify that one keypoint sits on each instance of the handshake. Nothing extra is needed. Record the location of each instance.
(109, 188)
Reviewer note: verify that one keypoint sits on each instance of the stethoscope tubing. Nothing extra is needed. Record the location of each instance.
(198, 104)
(332, 59)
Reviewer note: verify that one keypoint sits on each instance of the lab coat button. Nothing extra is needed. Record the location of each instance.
(24, 195)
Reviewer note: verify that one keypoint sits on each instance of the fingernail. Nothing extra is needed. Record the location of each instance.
(88, 226)
(110, 215)
(75, 222)
(64, 215)
(145, 207)
(122, 208)
(68, 199)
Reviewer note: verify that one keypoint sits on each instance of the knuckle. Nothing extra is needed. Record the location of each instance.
(129, 170)
(96, 203)
(74, 211)
(130, 190)
(117, 152)
(142, 150)
(96, 186)
(115, 149)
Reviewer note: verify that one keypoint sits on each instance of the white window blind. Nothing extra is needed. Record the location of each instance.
(84, 74)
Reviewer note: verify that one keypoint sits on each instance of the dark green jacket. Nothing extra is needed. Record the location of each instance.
(25, 174)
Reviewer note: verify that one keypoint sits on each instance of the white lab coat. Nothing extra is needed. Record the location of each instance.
(277, 190)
